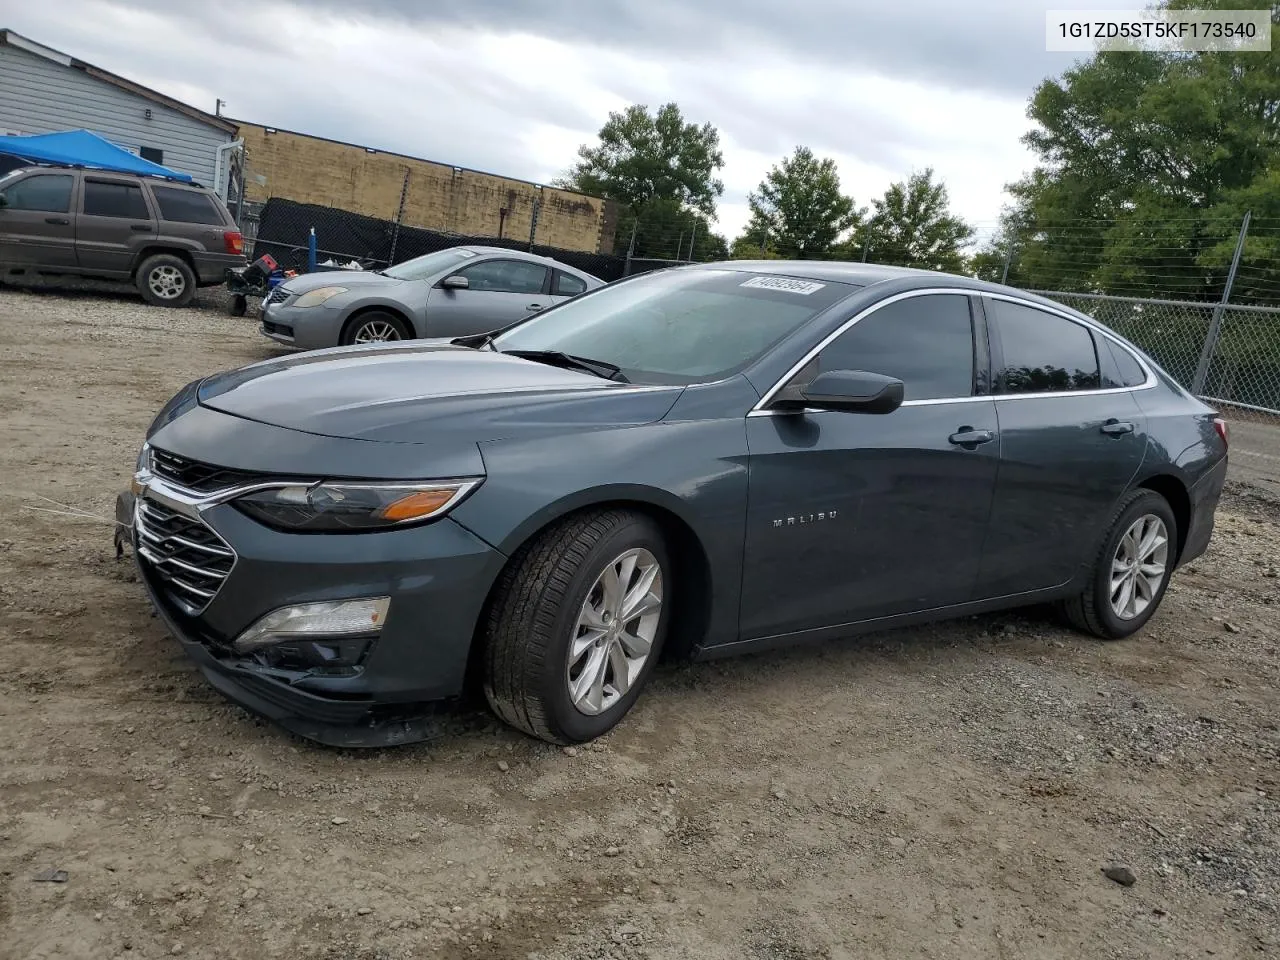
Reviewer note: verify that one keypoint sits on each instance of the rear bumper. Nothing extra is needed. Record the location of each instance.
(1204, 496)
(211, 268)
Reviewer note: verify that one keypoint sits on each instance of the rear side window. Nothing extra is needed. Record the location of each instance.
(114, 199)
(1043, 352)
(1131, 371)
(567, 285)
(47, 192)
(186, 206)
(926, 342)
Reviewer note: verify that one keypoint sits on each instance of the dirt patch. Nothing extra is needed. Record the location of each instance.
(954, 790)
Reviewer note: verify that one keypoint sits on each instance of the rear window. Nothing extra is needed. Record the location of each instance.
(186, 206)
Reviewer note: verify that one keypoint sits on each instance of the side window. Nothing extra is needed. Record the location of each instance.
(104, 198)
(47, 192)
(1132, 373)
(506, 276)
(154, 154)
(1043, 352)
(186, 206)
(926, 342)
(567, 285)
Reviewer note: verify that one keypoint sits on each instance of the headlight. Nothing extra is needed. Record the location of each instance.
(349, 507)
(313, 298)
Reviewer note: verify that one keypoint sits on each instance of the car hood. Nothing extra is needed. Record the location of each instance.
(335, 278)
(427, 392)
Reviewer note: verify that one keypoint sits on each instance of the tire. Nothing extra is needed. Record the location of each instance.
(362, 329)
(165, 280)
(1094, 611)
(537, 610)
(239, 305)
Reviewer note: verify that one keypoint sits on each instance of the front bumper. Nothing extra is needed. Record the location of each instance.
(437, 576)
(309, 328)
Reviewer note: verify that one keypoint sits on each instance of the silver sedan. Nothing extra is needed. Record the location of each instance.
(450, 293)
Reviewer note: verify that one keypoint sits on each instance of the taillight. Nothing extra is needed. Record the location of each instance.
(1223, 430)
(234, 241)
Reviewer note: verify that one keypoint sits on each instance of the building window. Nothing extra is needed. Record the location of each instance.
(152, 154)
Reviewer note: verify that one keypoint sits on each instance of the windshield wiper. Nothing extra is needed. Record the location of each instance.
(601, 368)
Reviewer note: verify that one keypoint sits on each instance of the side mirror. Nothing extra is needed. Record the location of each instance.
(455, 282)
(854, 391)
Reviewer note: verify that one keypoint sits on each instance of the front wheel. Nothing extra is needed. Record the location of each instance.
(1131, 571)
(576, 626)
(374, 327)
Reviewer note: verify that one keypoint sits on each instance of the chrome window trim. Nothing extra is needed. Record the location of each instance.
(759, 408)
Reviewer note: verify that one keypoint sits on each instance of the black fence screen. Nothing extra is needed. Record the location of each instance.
(284, 226)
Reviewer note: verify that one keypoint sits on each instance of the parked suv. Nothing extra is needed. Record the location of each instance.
(166, 237)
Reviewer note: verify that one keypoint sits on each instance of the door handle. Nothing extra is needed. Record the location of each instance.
(534, 306)
(141, 227)
(968, 437)
(60, 221)
(1116, 428)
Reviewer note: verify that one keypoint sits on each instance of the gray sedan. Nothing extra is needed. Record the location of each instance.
(450, 293)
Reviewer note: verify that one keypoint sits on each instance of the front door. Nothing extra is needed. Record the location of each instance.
(1070, 447)
(36, 227)
(114, 222)
(499, 293)
(857, 516)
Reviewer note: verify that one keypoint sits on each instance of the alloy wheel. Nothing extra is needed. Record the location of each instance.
(615, 631)
(376, 331)
(167, 282)
(1138, 567)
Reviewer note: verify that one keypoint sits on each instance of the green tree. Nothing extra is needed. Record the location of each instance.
(1147, 163)
(661, 170)
(912, 226)
(798, 208)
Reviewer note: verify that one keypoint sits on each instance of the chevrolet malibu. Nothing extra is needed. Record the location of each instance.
(704, 461)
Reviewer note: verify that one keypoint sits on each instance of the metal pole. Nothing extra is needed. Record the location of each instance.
(631, 249)
(1008, 259)
(1215, 325)
(692, 233)
(866, 245)
(395, 231)
(679, 244)
(533, 226)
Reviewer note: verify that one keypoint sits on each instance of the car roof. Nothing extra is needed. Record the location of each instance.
(833, 271)
(91, 170)
(525, 255)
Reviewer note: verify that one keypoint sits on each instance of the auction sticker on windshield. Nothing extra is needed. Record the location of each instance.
(802, 287)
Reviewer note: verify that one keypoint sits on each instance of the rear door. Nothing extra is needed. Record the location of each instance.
(36, 226)
(1070, 445)
(113, 224)
(500, 291)
(565, 285)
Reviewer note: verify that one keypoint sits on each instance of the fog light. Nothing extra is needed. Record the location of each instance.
(304, 621)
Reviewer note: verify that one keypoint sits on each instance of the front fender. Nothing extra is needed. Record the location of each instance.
(694, 470)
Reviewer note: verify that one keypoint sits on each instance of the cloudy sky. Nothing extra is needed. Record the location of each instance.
(514, 86)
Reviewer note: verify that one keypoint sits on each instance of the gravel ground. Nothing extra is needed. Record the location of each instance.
(956, 790)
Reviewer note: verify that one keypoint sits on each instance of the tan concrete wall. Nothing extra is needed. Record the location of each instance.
(439, 197)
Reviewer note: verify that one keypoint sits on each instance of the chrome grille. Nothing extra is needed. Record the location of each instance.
(188, 557)
(196, 476)
(278, 294)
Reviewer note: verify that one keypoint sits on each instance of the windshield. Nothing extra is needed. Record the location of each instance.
(678, 326)
(420, 268)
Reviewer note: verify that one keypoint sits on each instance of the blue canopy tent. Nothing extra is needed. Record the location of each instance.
(80, 148)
